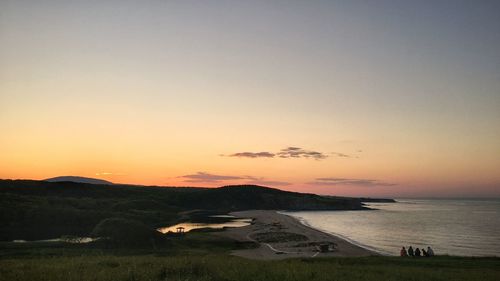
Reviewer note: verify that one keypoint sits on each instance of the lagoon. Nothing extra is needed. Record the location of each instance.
(188, 226)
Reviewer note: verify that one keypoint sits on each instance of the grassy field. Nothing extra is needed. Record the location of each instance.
(201, 256)
(223, 267)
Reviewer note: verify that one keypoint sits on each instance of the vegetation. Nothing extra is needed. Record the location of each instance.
(220, 267)
(131, 250)
(34, 210)
(204, 256)
(119, 232)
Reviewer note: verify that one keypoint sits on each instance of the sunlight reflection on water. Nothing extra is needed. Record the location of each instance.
(188, 226)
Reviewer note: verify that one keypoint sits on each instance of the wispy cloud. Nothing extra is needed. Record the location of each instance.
(109, 174)
(206, 177)
(203, 177)
(289, 152)
(263, 154)
(342, 155)
(297, 152)
(262, 181)
(347, 181)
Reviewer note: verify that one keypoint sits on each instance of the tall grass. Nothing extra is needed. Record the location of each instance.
(223, 267)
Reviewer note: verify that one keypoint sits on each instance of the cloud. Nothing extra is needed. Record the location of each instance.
(202, 177)
(297, 152)
(206, 177)
(289, 152)
(264, 182)
(342, 155)
(347, 181)
(109, 174)
(263, 154)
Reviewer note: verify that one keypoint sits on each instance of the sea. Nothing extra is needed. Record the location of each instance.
(449, 227)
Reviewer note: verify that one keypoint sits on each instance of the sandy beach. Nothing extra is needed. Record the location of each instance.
(281, 236)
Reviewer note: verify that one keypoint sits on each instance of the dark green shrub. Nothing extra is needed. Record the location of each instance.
(125, 232)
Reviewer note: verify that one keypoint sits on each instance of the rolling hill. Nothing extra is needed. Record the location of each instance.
(78, 180)
(33, 210)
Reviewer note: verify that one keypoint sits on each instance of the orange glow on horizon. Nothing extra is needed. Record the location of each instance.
(338, 99)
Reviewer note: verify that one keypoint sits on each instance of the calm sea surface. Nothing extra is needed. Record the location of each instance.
(454, 227)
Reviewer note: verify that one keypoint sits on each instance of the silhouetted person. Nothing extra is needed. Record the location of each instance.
(430, 252)
(410, 251)
(424, 253)
(403, 253)
(417, 252)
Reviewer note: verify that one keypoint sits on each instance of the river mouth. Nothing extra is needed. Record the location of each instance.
(230, 221)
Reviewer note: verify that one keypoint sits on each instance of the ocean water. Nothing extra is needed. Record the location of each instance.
(454, 227)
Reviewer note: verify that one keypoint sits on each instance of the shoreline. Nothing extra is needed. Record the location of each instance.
(282, 236)
(347, 239)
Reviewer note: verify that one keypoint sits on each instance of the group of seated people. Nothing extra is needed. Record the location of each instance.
(417, 252)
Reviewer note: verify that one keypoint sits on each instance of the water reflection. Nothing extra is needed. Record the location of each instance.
(65, 239)
(188, 226)
(455, 227)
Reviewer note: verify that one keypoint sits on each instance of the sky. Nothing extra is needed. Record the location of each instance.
(352, 98)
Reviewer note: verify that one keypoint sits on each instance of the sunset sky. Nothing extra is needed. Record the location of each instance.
(357, 98)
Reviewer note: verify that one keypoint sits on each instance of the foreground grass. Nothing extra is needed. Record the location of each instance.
(202, 256)
(224, 267)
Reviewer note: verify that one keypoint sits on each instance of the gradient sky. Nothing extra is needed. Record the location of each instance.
(362, 98)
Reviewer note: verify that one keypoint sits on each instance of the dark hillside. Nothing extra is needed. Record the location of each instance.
(31, 210)
(79, 180)
(245, 197)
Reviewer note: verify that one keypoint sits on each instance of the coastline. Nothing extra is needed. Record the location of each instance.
(347, 239)
(287, 237)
